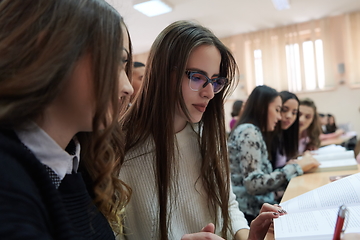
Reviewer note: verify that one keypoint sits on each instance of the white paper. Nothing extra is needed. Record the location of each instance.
(313, 214)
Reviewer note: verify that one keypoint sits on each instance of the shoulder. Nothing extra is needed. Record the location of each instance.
(247, 130)
(17, 163)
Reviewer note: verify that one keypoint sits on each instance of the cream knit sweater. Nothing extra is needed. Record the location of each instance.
(189, 213)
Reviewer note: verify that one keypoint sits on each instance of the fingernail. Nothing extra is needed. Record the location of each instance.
(280, 210)
(275, 213)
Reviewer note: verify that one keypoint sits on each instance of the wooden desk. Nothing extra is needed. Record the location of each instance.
(338, 140)
(305, 183)
(309, 181)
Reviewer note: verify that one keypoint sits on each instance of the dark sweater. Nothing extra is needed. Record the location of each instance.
(32, 208)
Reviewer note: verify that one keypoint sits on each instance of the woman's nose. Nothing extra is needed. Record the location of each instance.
(125, 87)
(207, 91)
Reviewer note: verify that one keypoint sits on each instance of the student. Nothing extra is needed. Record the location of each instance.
(331, 125)
(323, 120)
(177, 151)
(331, 130)
(61, 74)
(253, 177)
(236, 109)
(309, 130)
(285, 144)
(328, 127)
(286, 141)
(137, 76)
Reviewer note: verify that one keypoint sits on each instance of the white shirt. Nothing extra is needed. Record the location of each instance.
(48, 151)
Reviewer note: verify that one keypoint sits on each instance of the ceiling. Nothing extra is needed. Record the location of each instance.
(226, 17)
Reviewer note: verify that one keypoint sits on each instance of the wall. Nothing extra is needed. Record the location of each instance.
(341, 100)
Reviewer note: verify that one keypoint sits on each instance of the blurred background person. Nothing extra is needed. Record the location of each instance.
(235, 113)
(310, 129)
(138, 72)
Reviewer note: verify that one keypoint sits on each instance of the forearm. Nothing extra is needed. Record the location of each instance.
(242, 234)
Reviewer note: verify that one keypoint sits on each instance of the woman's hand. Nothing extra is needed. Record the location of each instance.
(261, 224)
(207, 233)
(307, 162)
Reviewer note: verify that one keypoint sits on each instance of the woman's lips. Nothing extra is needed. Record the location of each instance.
(286, 123)
(200, 107)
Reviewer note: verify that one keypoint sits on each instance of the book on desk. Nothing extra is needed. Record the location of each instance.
(313, 215)
(334, 158)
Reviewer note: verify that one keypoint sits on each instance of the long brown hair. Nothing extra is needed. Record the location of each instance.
(40, 43)
(154, 111)
(314, 130)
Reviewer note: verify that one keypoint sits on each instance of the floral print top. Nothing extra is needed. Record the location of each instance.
(253, 178)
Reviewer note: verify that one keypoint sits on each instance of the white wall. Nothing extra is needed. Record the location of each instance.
(343, 102)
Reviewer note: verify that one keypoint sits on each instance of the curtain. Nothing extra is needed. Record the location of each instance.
(282, 49)
(352, 44)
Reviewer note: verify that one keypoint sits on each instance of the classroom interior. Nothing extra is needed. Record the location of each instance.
(310, 48)
(329, 74)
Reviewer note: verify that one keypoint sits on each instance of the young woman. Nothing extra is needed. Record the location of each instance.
(310, 129)
(253, 177)
(236, 109)
(178, 148)
(137, 77)
(331, 125)
(61, 74)
(285, 143)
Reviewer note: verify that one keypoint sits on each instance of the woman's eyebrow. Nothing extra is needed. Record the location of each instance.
(203, 72)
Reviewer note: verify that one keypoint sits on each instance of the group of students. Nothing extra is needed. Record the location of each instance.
(262, 159)
(79, 162)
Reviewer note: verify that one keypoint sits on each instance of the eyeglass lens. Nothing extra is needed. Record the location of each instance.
(198, 81)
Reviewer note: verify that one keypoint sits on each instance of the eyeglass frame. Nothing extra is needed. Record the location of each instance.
(208, 80)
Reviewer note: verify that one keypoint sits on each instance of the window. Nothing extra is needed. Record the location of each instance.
(259, 78)
(312, 63)
(293, 67)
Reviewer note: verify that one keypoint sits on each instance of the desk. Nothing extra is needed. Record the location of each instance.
(307, 182)
(338, 140)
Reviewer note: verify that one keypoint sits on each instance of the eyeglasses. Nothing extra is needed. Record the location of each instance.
(199, 80)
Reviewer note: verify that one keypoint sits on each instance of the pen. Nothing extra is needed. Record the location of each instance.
(340, 222)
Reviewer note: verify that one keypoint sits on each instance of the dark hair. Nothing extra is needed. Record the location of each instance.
(138, 64)
(287, 141)
(330, 128)
(256, 108)
(154, 112)
(41, 42)
(256, 111)
(314, 130)
(236, 108)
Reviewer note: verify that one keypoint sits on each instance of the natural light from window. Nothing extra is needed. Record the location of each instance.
(309, 65)
(293, 66)
(320, 63)
(259, 77)
(309, 73)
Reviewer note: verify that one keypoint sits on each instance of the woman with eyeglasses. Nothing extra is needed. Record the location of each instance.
(254, 179)
(176, 144)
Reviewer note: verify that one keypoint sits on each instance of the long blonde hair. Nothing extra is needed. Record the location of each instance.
(40, 43)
